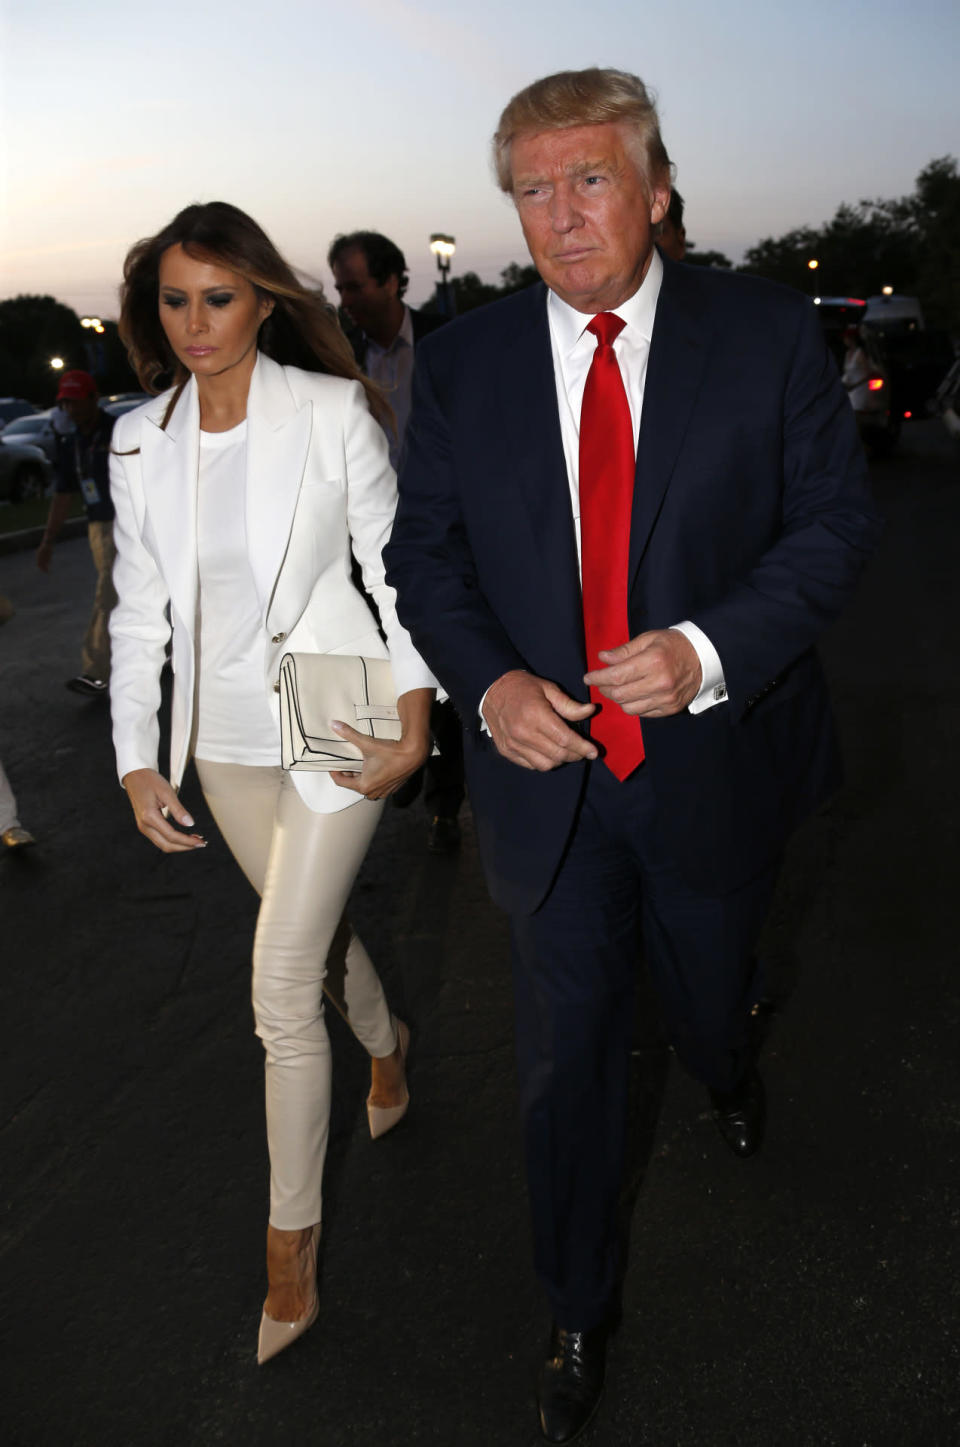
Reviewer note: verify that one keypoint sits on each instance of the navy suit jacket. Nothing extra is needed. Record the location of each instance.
(751, 517)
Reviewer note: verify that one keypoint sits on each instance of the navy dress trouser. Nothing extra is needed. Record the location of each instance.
(575, 962)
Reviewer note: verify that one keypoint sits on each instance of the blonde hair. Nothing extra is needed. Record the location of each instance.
(593, 97)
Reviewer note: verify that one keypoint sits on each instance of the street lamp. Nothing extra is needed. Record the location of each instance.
(812, 266)
(57, 363)
(443, 248)
(886, 291)
(94, 323)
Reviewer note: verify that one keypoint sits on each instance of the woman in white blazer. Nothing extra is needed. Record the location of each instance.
(240, 493)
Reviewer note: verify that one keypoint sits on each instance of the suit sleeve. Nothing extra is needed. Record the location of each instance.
(139, 630)
(371, 503)
(430, 562)
(829, 528)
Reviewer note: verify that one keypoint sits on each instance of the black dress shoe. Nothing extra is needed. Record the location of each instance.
(571, 1381)
(741, 1114)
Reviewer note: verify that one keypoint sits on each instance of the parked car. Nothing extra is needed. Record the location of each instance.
(946, 403)
(36, 429)
(878, 419)
(917, 361)
(11, 407)
(24, 471)
(122, 402)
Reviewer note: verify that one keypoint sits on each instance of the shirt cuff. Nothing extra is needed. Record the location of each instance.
(484, 729)
(713, 689)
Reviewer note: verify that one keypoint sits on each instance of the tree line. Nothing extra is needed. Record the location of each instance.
(36, 329)
(911, 243)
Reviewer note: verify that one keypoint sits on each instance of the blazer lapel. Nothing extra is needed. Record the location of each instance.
(278, 442)
(533, 455)
(169, 463)
(678, 352)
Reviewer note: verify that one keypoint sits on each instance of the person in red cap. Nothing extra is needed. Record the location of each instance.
(82, 465)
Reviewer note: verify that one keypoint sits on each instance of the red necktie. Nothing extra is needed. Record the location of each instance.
(607, 467)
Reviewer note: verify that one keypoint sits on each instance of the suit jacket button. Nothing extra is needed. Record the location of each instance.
(278, 637)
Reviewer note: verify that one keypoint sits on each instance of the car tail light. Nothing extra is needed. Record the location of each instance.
(875, 384)
(908, 415)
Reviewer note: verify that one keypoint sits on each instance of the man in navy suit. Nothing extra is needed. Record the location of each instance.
(632, 500)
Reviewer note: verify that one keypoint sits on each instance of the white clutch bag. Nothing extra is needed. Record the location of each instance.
(316, 688)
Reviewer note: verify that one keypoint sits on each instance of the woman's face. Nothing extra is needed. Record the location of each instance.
(210, 314)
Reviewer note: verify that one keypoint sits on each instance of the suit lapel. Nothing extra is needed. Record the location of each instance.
(678, 352)
(278, 441)
(533, 461)
(169, 461)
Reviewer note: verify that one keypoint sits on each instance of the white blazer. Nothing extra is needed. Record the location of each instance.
(318, 476)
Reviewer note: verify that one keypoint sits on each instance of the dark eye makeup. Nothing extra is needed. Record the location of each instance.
(217, 299)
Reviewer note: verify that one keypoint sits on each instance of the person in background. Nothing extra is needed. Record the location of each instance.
(83, 465)
(12, 833)
(671, 235)
(370, 274)
(242, 493)
(855, 373)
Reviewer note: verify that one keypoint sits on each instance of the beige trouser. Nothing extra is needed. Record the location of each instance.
(303, 866)
(95, 654)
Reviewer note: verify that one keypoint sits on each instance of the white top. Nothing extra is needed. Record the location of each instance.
(235, 724)
(392, 369)
(573, 348)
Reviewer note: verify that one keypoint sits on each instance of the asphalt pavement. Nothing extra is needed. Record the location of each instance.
(806, 1296)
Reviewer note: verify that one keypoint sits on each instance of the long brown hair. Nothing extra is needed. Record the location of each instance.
(301, 331)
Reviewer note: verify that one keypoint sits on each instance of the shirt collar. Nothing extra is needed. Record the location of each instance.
(405, 334)
(637, 311)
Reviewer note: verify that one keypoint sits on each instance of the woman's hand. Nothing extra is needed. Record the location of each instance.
(388, 762)
(149, 794)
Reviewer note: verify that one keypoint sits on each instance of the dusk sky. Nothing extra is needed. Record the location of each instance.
(319, 118)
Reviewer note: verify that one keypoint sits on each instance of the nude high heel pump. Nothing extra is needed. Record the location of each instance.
(382, 1118)
(276, 1336)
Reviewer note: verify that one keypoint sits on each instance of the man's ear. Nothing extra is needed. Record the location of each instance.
(659, 203)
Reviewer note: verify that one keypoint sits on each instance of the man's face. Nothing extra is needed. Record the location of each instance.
(82, 411)
(587, 213)
(366, 302)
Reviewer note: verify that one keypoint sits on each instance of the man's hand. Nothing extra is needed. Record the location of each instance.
(525, 716)
(654, 675)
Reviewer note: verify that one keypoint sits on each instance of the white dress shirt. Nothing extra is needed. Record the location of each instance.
(573, 348)
(235, 724)
(392, 369)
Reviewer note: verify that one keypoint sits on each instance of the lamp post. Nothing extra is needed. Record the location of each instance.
(812, 266)
(57, 363)
(443, 248)
(93, 348)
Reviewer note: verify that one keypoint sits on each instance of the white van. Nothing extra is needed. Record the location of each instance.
(894, 313)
